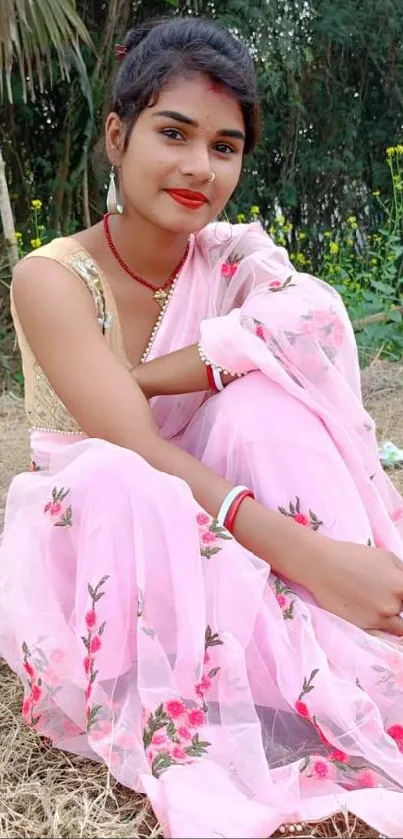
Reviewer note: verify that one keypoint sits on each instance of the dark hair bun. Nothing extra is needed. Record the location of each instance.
(135, 36)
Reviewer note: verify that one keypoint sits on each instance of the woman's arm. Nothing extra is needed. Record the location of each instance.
(181, 371)
(57, 316)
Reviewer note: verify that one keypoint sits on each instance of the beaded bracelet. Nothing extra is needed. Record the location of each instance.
(209, 363)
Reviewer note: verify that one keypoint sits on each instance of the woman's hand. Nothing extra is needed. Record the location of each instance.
(361, 584)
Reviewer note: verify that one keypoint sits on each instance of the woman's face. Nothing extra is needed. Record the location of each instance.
(194, 129)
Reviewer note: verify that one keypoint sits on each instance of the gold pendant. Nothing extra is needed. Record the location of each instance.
(160, 296)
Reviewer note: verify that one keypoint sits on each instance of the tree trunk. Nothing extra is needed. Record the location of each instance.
(7, 218)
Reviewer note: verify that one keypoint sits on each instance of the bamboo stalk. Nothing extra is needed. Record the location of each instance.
(375, 318)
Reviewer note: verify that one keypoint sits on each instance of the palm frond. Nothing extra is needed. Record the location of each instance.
(29, 30)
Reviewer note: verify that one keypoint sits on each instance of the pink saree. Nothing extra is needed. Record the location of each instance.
(147, 638)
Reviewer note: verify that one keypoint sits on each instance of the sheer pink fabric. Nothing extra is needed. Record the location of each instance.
(147, 638)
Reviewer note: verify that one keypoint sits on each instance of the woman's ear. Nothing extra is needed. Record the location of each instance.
(114, 139)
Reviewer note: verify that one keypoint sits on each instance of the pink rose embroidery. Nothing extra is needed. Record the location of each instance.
(202, 519)
(196, 718)
(92, 645)
(294, 511)
(90, 619)
(55, 507)
(178, 753)
(184, 733)
(320, 769)
(175, 709)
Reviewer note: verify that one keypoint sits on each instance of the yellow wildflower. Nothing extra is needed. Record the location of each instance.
(376, 193)
(17, 236)
(272, 230)
(36, 243)
(41, 228)
(280, 219)
(327, 234)
(390, 151)
(301, 259)
(301, 236)
(36, 204)
(288, 227)
(399, 149)
(374, 262)
(241, 217)
(334, 248)
(397, 182)
(352, 222)
(281, 240)
(255, 210)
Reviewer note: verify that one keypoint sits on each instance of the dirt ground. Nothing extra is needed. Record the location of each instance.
(46, 793)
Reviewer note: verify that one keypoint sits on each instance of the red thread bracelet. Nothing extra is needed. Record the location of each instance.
(210, 378)
(233, 510)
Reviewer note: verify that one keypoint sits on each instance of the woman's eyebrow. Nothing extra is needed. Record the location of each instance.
(178, 117)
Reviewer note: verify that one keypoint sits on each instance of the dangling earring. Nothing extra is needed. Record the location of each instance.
(113, 202)
(228, 239)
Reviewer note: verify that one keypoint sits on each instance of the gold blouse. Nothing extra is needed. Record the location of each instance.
(44, 410)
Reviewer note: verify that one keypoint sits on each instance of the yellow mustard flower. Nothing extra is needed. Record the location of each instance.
(36, 243)
(288, 227)
(241, 217)
(281, 240)
(36, 204)
(255, 210)
(280, 219)
(352, 222)
(17, 236)
(327, 234)
(399, 149)
(334, 247)
(390, 151)
(302, 236)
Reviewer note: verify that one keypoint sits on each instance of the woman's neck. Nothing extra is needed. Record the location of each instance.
(150, 251)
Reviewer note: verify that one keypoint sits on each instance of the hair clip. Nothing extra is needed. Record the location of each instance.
(120, 52)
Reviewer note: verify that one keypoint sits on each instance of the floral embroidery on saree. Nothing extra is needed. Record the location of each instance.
(294, 512)
(209, 534)
(172, 731)
(56, 507)
(93, 643)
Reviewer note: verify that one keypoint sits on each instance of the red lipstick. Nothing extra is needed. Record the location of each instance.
(188, 198)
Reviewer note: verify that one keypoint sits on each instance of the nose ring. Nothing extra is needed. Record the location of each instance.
(211, 178)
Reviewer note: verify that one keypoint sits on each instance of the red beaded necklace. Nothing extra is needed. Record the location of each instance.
(160, 294)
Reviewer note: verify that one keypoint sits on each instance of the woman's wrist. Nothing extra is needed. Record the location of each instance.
(291, 549)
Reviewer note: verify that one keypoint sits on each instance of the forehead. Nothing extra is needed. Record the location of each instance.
(203, 100)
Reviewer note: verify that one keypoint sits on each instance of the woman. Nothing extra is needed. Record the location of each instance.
(188, 571)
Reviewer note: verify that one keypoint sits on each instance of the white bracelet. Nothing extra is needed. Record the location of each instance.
(217, 378)
(226, 504)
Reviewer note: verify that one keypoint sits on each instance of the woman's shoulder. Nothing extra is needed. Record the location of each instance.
(57, 248)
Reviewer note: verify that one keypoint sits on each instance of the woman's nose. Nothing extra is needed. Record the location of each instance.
(197, 164)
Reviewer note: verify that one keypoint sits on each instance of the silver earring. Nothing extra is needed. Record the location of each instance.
(228, 238)
(113, 202)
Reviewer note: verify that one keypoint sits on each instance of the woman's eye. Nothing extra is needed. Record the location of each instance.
(172, 134)
(224, 148)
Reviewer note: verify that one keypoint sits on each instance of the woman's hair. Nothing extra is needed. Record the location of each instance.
(159, 50)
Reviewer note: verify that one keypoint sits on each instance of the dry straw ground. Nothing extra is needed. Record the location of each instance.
(46, 793)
